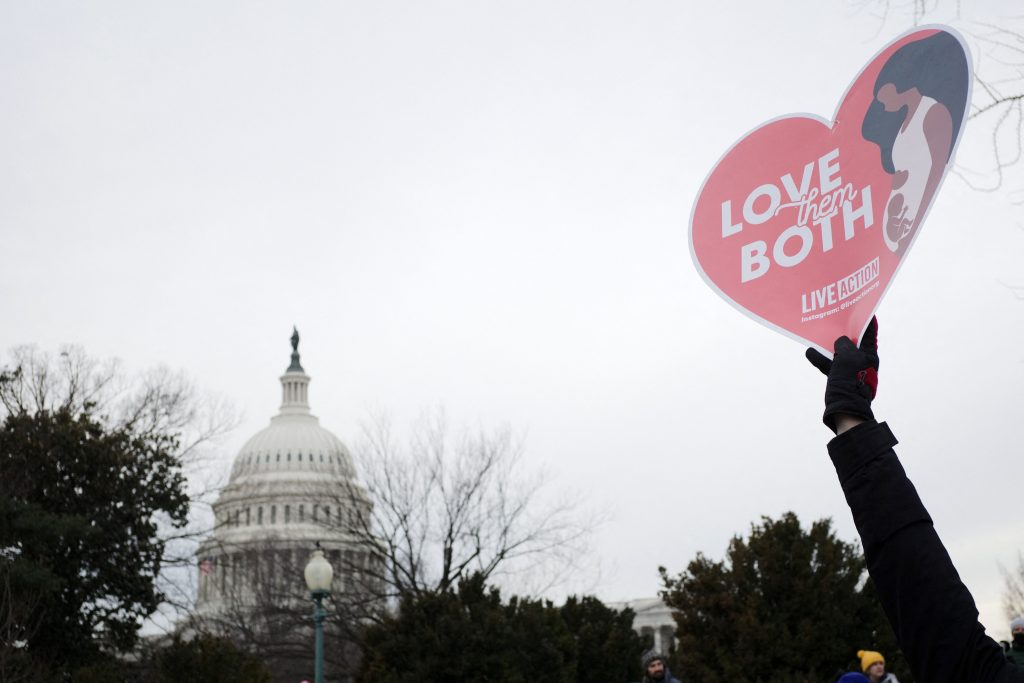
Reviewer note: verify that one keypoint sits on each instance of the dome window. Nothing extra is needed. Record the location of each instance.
(259, 513)
(302, 513)
(278, 457)
(273, 513)
(287, 513)
(248, 516)
(289, 457)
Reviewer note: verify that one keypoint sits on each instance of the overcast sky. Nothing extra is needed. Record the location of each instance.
(484, 206)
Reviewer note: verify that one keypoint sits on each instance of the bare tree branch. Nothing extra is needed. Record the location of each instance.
(998, 50)
(444, 508)
(1013, 589)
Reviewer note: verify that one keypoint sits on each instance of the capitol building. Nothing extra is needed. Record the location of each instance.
(293, 487)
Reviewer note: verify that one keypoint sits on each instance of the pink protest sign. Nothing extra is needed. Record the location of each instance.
(804, 222)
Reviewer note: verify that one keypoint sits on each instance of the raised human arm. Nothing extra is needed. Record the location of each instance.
(928, 606)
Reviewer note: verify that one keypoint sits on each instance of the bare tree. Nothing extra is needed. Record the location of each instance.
(157, 401)
(1013, 590)
(442, 508)
(997, 107)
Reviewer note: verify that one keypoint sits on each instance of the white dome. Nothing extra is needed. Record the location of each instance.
(292, 462)
(292, 444)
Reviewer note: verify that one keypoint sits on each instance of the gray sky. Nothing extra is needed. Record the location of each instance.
(484, 206)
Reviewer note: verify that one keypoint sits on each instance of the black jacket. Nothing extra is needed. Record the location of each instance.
(930, 609)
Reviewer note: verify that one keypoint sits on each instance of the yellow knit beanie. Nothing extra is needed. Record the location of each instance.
(867, 658)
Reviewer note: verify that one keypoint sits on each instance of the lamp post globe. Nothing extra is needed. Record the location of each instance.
(318, 574)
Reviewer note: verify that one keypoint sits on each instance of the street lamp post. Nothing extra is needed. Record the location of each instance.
(318, 579)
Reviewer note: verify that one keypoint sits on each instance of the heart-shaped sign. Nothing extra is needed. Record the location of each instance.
(804, 222)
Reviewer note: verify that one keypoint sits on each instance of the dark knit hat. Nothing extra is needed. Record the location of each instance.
(650, 656)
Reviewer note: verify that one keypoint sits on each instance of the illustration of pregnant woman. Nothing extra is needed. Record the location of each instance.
(915, 119)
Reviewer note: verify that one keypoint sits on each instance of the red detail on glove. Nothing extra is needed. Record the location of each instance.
(870, 378)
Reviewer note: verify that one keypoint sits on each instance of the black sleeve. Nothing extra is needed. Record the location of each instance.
(930, 609)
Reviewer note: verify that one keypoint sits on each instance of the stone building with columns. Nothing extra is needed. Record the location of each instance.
(652, 621)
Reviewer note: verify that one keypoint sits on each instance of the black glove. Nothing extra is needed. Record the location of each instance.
(852, 376)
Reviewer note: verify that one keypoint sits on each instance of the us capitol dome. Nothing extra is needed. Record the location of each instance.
(293, 485)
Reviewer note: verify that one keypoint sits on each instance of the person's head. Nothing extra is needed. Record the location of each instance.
(1017, 630)
(934, 67)
(653, 664)
(872, 663)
